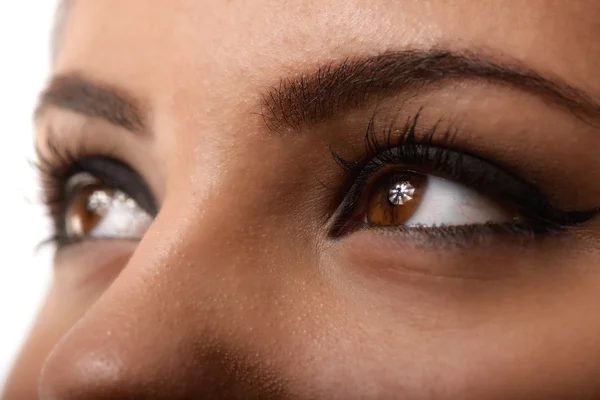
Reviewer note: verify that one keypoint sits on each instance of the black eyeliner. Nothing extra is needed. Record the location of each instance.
(402, 147)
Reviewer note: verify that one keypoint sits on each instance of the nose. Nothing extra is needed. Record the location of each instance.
(179, 322)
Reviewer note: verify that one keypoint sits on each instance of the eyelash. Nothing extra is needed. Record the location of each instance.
(60, 164)
(403, 146)
(54, 170)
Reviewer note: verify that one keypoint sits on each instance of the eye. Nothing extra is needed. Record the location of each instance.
(433, 189)
(94, 198)
(408, 198)
(96, 210)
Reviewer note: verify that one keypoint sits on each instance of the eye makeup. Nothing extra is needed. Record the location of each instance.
(432, 153)
(60, 170)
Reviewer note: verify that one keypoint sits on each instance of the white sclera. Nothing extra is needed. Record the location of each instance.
(447, 203)
(124, 219)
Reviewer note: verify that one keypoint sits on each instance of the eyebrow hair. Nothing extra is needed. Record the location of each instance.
(309, 99)
(74, 93)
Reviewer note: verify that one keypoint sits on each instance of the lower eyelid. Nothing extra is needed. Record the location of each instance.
(417, 253)
(92, 262)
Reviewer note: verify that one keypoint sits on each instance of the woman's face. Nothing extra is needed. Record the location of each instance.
(321, 199)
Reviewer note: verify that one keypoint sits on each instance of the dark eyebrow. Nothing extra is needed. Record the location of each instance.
(309, 99)
(74, 93)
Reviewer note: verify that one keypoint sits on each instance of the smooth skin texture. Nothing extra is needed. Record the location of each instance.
(238, 291)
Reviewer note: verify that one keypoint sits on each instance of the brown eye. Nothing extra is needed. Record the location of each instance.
(395, 198)
(99, 211)
(86, 209)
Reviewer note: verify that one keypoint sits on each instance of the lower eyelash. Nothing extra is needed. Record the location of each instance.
(467, 235)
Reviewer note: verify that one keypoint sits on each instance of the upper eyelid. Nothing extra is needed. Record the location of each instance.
(145, 198)
(438, 134)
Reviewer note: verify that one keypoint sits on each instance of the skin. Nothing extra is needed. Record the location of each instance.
(237, 291)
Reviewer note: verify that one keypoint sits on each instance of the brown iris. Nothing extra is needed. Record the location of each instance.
(88, 205)
(395, 198)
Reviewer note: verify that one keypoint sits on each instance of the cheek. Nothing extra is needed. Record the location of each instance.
(528, 332)
(341, 333)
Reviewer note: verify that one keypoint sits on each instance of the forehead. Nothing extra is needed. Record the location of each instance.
(242, 44)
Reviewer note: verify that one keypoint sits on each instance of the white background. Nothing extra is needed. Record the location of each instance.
(24, 275)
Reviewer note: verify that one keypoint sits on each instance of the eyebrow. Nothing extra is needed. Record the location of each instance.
(71, 92)
(312, 98)
(309, 99)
